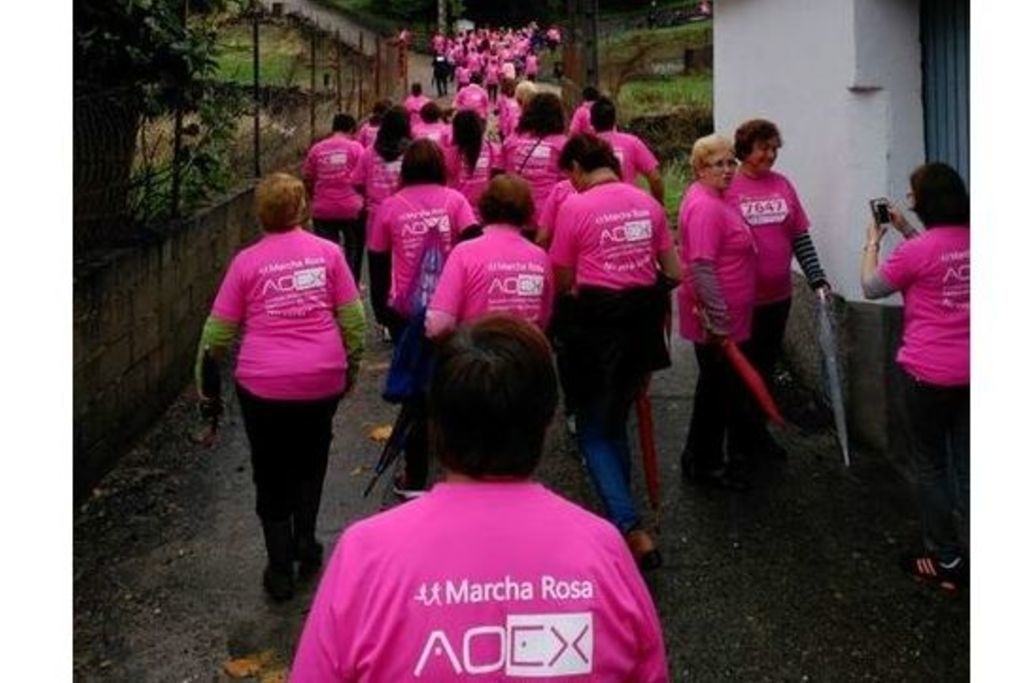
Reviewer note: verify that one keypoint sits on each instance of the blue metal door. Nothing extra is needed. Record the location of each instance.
(945, 50)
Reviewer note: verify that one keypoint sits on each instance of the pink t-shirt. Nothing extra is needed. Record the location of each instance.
(536, 160)
(532, 65)
(580, 122)
(771, 208)
(633, 155)
(367, 135)
(283, 291)
(471, 182)
(491, 72)
(498, 271)
(474, 98)
(611, 235)
(401, 223)
(711, 229)
(378, 178)
(508, 116)
(413, 104)
(548, 215)
(439, 131)
(516, 583)
(933, 272)
(330, 166)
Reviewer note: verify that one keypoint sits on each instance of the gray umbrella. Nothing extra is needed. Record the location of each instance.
(833, 381)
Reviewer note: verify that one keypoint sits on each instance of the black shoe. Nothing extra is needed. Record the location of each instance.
(279, 583)
(310, 556)
(721, 477)
(771, 449)
(949, 577)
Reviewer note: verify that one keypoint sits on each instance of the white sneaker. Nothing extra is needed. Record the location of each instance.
(570, 424)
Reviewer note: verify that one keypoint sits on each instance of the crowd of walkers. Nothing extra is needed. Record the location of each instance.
(509, 265)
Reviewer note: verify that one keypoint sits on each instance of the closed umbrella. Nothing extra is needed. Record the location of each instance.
(753, 381)
(833, 382)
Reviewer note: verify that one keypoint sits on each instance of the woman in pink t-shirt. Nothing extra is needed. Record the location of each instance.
(410, 236)
(611, 251)
(291, 298)
(932, 270)
(716, 304)
(533, 151)
(367, 133)
(489, 573)
(773, 211)
(471, 159)
(500, 271)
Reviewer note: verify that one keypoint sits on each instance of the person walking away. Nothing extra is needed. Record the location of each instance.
(932, 270)
(575, 607)
(613, 252)
(470, 159)
(634, 156)
(298, 356)
(337, 207)
(716, 306)
(473, 97)
(414, 103)
(432, 125)
(367, 133)
(580, 122)
(421, 215)
(498, 272)
(772, 210)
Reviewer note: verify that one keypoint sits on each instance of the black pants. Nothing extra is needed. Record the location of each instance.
(721, 409)
(940, 444)
(289, 442)
(353, 239)
(763, 350)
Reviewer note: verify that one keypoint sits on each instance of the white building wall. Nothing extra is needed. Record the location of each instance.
(842, 80)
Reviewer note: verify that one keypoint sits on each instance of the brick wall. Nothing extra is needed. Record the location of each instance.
(137, 317)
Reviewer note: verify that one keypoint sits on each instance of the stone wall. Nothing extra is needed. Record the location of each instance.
(138, 313)
(868, 337)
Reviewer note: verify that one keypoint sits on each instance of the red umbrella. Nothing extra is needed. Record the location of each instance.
(645, 425)
(748, 373)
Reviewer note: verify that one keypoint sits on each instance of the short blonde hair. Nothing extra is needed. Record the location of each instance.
(525, 92)
(705, 147)
(280, 202)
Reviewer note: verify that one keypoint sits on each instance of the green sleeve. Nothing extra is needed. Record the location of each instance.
(352, 321)
(218, 336)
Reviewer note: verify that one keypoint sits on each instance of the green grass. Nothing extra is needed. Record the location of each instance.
(282, 51)
(676, 176)
(666, 41)
(662, 94)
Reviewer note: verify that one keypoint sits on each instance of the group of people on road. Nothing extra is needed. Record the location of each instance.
(504, 270)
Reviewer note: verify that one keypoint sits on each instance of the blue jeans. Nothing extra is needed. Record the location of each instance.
(940, 445)
(605, 446)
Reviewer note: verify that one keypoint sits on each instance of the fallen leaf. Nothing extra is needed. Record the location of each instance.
(380, 433)
(358, 470)
(274, 676)
(375, 367)
(247, 667)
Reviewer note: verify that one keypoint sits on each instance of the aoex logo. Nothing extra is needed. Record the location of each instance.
(630, 231)
(518, 285)
(298, 281)
(528, 645)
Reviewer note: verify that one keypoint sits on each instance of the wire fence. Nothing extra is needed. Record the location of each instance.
(282, 77)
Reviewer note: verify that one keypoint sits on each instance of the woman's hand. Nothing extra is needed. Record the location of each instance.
(900, 222)
(874, 233)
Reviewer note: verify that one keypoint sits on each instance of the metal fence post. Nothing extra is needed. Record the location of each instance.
(256, 87)
(312, 84)
(360, 65)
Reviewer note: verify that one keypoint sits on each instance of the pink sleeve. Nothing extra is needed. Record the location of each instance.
(309, 165)
(700, 235)
(359, 172)
(662, 236)
(798, 217)
(345, 289)
(563, 249)
(643, 159)
(898, 269)
(651, 662)
(229, 304)
(464, 216)
(548, 303)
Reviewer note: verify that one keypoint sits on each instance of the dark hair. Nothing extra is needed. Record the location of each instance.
(468, 136)
(343, 123)
(602, 114)
(431, 112)
(394, 134)
(753, 131)
(507, 199)
(492, 397)
(590, 93)
(377, 113)
(476, 77)
(508, 87)
(543, 115)
(590, 152)
(423, 164)
(416, 89)
(940, 196)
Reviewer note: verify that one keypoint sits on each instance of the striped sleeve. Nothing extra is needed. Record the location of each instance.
(807, 257)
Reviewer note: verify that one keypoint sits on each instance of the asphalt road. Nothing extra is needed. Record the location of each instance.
(795, 580)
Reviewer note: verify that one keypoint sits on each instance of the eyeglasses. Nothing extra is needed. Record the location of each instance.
(723, 164)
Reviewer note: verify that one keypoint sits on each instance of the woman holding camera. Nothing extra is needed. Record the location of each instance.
(932, 270)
